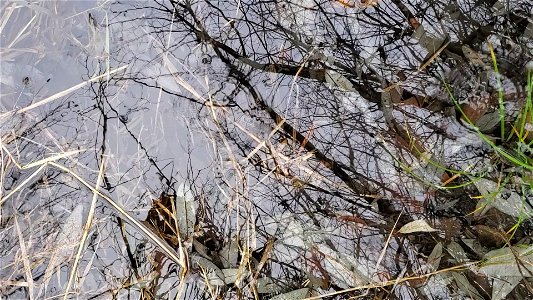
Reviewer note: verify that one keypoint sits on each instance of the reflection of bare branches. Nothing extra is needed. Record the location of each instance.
(325, 129)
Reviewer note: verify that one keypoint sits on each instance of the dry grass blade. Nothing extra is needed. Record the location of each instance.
(7, 11)
(43, 163)
(22, 184)
(51, 158)
(86, 228)
(182, 254)
(69, 90)
(25, 260)
(16, 39)
(204, 272)
(433, 57)
(388, 282)
(171, 253)
(261, 143)
(388, 241)
(174, 71)
(266, 255)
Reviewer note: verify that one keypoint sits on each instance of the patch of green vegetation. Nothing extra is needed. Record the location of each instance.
(513, 148)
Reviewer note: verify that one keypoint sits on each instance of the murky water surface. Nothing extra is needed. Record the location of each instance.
(277, 150)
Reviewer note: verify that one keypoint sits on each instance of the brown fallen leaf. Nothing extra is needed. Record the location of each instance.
(491, 237)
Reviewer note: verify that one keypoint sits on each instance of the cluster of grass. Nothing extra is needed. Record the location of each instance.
(513, 147)
(511, 161)
(514, 144)
(511, 164)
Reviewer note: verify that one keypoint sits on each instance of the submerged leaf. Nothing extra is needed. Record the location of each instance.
(509, 262)
(507, 267)
(465, 286)
(67, 239)
(213, 279)
(294, 295)
(234, 276)
(501, 287)
(491, 237)
(265, 285)
(71, 229)
(430, 42)
(185, 210)
(488, 122)
(513, 205)
(214, 275)
(230, 254)
(341, 268)
(457, 252)
(434, 258)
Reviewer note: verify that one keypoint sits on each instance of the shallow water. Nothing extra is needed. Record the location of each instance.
(239, 155)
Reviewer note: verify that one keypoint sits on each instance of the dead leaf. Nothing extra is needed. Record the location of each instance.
(336, 79)
(465, 286)
(352, 219)
(229, 254)
(416, 226)
(265, 285)
(513, 205)
(508, 262)
(294, 295)
(434, 258)
(491, 237)
(185, 210)
(501, 287)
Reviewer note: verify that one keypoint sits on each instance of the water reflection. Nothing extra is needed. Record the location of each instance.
(247, 149)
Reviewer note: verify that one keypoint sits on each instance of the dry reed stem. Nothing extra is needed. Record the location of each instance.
(25, 260)
(86, 228)
(171, 253)
(388, 241)
(390, 282)
(69, 90)
(42, 163)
